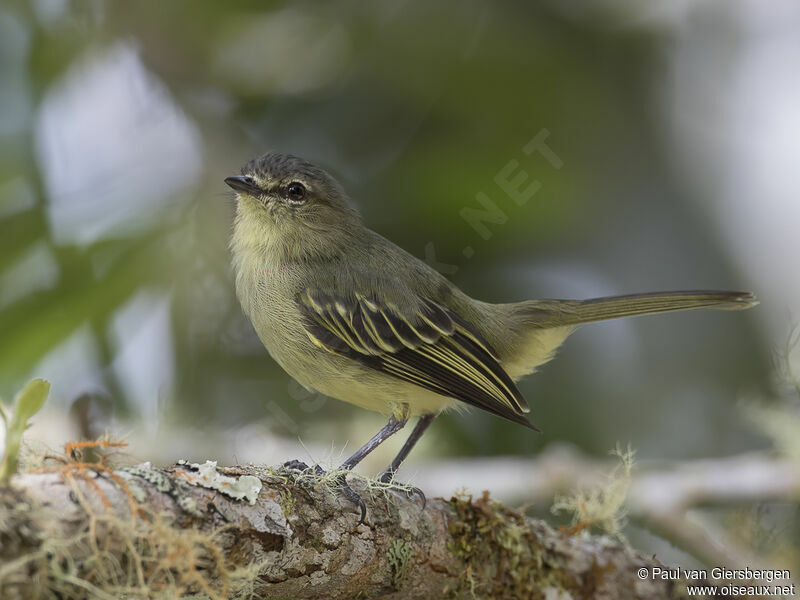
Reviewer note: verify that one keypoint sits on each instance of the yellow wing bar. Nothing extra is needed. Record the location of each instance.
(433, 348)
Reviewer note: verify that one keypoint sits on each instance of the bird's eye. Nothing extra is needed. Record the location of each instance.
(296, 192)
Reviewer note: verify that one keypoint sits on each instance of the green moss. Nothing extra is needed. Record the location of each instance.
(502, 557)
(287, 503)
(399, 556)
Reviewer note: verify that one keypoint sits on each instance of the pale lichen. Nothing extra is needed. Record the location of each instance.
(602, 507)
(136, 490)
(157, 478)
(177, 489)
(399, 556)
(245, 487)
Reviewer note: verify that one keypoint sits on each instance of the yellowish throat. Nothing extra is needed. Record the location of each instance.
(351, 315)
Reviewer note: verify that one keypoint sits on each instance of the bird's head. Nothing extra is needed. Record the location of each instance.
(288, 204)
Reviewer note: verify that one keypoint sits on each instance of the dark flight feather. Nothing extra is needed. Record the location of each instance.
(435, 349)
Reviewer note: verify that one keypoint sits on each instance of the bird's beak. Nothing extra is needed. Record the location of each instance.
(243, 184)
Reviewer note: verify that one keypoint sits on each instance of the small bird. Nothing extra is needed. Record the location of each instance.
(351, 315)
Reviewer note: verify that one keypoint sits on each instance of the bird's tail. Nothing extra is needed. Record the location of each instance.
(555, 313)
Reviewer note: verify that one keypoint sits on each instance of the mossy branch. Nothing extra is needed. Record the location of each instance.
(197, 530)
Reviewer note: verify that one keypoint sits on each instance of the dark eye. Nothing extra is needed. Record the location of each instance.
(296, 191)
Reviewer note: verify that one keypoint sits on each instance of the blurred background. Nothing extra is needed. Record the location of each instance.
(658, 143)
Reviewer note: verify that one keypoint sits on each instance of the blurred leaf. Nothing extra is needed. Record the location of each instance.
(19, 233)
(28, 402)
(36, 324)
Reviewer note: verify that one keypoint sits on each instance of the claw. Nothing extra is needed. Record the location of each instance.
(353, 497)
(349, 493)
(296, 465)
(388, 477)
(299, 465)
(415, 490)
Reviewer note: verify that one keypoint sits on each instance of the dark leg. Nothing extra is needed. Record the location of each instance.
(393, 426)
(423, 424)
(388, 475)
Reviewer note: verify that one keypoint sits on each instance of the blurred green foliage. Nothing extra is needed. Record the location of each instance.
(27, 403)
(416, 107)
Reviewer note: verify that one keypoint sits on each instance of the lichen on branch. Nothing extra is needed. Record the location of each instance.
(247, 531)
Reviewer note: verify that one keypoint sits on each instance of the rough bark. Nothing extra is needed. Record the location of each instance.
(190, 529)
(660, 496)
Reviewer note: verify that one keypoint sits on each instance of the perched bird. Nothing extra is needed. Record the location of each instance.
(351, 315)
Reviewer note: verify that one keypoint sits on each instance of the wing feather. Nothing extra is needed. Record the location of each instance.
(433, 348)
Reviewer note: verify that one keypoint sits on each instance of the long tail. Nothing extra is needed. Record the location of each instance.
(553, 313)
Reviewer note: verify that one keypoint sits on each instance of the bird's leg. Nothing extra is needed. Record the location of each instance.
(422, 424)
(388, 475)
(393, 426)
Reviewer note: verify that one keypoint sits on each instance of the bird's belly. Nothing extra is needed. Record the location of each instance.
(344, 379)
(270, 305)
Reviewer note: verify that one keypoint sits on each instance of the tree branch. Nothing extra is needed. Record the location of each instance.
(659, 496)
(192, 529)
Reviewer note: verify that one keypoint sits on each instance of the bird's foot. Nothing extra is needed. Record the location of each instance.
(351, 495)
(299, 465)
(411, 490)
(339, 482)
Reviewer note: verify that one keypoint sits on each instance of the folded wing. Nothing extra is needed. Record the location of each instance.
(432, 347)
